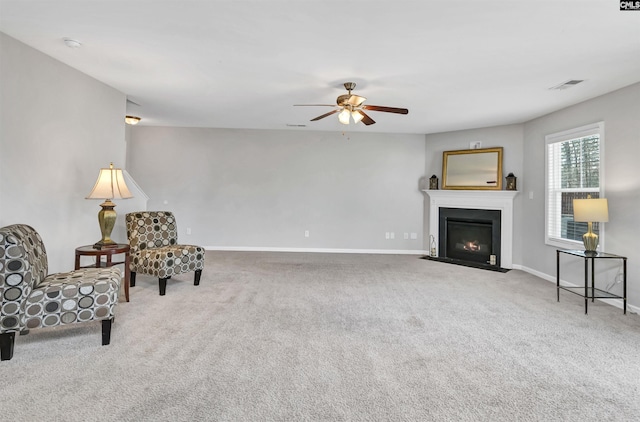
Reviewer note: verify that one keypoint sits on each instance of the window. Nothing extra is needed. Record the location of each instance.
(574, 171)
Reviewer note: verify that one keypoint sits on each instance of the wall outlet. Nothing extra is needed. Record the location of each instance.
(306, 233)
(386, 235)
(414, 236)
(392, 235)
(406, 236)
(188, 230)
(530, 194)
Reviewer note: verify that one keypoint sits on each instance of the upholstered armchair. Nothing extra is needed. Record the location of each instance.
(153, 237)
(32, 298)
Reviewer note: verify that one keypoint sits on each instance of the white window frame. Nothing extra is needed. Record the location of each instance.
(579, 132)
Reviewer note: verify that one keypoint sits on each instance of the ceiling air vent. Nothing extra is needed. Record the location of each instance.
(567, 84)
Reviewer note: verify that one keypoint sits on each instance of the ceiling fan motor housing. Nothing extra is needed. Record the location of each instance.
(342, 99)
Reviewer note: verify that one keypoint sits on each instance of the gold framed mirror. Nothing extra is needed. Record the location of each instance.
(473, 169)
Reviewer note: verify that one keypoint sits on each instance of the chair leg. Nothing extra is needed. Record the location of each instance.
(132, 279)
(162, 283)
(6, 345)
(106, 331)
(196, 277)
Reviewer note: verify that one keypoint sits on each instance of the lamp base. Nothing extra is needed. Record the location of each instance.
(590, 240)
(101, 245)
(106, 219)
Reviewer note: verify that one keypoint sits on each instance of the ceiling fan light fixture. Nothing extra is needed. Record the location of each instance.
(343, 117)
(357, 116)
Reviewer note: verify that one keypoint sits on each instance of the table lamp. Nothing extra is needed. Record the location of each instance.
(590, 210)
(110, 185)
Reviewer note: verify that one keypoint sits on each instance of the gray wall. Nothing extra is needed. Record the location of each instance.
(263, 189)
(510, 138)
(58, 127)
(620, 111)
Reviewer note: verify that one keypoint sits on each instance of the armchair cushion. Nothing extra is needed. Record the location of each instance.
(166, 261)
(76, 296)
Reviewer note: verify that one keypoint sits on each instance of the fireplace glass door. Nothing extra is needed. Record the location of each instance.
(469, 241)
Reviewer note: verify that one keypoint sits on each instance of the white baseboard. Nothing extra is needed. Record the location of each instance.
(618, 303)
(317, 250)
(534, 272)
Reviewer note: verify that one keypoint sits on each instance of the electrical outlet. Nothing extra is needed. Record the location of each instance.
(392, 235)
(406, 236)
(188, 230)
(306, 233)
(386, 235)
(530, 194)
(414, 236)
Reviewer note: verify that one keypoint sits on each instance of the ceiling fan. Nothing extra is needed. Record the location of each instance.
(351, 106)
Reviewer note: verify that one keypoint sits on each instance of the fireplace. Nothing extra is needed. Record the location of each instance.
(470, 235)
(498, 200)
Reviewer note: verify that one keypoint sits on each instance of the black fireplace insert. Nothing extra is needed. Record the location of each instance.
(470, 235)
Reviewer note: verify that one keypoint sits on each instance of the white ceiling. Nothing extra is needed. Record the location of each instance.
(243, 64)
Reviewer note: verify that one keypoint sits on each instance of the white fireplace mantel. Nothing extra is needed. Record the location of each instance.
(476, 199)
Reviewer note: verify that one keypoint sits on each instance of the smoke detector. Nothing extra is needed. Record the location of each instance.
(567, 84)
(72, 43)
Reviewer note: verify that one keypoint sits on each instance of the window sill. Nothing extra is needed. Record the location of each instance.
(565, 244)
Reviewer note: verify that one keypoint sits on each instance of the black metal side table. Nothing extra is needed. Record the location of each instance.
(591, 292)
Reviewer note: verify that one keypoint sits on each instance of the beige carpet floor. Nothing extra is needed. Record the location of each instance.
(331, 337)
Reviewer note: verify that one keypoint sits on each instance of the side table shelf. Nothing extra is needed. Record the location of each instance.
(590, 291)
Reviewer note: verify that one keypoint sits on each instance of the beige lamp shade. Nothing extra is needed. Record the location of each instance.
(110, 185)
(590, 210)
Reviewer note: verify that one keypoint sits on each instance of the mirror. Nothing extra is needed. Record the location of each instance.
(472, 169)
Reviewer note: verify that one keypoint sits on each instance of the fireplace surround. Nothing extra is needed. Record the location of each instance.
(501, 201)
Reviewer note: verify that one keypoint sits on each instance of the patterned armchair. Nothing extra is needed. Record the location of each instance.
(31, 298)
(153, 237)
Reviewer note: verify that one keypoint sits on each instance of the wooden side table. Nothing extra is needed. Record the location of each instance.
(120, 248)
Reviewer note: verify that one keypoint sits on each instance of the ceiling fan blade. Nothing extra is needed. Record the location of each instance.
(356, 100)
(324, 115)
(314, 105)
(365, 119)
(386, 109)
